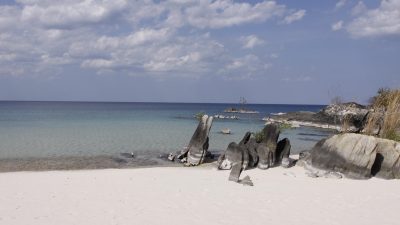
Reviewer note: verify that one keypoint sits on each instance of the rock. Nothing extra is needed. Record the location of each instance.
(330, 117)
(246, 181)
(198, 145)
(283, 152)
(266, 150)
(287, 162)
(236, 157)
(304, 154)
(171, 157)
(333, 175)
(251, 146)
(357, 156)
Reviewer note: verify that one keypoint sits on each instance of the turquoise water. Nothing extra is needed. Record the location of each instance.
(53, 129)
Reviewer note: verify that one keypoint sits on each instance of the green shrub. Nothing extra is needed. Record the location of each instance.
(199, 115)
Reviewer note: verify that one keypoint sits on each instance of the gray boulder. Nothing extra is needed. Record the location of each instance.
(357, 156)
(196, 151)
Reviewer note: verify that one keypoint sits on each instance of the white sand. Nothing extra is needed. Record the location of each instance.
(193, 196)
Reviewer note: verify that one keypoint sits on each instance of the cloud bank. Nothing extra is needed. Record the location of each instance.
(163, 38)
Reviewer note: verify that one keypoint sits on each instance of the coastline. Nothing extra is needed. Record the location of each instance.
(62, 163)
(195, 195)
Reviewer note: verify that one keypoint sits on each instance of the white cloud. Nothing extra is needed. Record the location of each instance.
(245, 67)
(251, 41)
(337, 26)
(340, 4)
(136, 37)
(294, 16)
(358, 9)
(225, 13)
(382, 21)
(67, 14)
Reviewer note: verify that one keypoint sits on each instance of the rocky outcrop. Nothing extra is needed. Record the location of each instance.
(356, 156)
(196, 151)
(248, 153)
(331, 117)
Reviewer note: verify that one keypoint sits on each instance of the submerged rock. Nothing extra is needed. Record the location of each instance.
(357, 156)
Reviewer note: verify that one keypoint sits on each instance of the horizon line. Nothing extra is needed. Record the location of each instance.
(166, 102)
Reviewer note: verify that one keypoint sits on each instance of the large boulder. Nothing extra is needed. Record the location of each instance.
(196, 151)
(357, 156)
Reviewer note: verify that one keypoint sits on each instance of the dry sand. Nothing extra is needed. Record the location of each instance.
(199, 195)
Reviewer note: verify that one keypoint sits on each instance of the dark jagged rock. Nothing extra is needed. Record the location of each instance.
(282, 153)
(236, 158)
(252, 150)
(266, 150)
(357, 156)
(198, 145)
(249, 153)
(282, 150)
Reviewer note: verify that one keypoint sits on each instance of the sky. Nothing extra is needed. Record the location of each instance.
(288, 52)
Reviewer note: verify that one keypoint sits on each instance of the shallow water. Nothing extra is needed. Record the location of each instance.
(78, 129)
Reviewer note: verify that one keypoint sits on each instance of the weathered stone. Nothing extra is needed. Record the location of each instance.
(171, 157)
(252, 150)
(357, 156)
(198, 145)
(236, 157)
(267, 148)
(283, 152)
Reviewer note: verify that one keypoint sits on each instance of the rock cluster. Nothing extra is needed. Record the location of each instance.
(248, 153)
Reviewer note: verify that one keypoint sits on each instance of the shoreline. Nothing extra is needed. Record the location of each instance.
(71, 163)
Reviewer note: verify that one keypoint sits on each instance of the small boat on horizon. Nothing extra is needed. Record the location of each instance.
(242, 109)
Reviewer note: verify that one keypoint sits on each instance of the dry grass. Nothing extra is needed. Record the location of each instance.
(346, 123)
(385, 118)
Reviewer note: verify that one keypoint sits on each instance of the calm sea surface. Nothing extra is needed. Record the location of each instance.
(54, 129)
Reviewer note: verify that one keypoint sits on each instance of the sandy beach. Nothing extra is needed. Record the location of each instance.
(200, 195)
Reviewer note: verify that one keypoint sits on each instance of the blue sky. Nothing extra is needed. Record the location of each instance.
(300, 52)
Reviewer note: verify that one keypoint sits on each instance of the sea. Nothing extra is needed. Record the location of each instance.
(65, 135)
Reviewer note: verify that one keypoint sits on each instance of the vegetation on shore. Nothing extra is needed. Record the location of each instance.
(384, 118)
(199, 115)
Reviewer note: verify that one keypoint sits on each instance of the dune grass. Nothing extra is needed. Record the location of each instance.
(384, 119)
